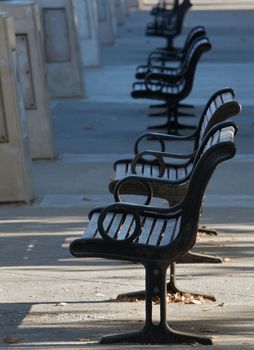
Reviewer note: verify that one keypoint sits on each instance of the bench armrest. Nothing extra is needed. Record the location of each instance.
(163, 78)
(136, 211)
(163, 55)
(139, 179)
(119, 208)
(161, 138)
(158, 158)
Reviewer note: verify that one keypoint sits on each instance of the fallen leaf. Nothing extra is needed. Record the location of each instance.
(86, 199)
(226, 259)
(88, 127)
(179, 297)
(12, 340)
(61, 304)
(83, 339)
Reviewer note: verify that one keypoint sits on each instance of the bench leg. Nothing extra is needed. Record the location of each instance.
(156, 333)
(171, 289)
(172, 125)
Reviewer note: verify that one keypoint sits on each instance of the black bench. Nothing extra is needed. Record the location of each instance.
(164, 58)
(163, 7)
(164, 15)
(156, 238)
(170, 25)
(169, 179)
(172, 88)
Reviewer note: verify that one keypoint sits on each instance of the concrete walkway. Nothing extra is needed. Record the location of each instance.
(48, 299)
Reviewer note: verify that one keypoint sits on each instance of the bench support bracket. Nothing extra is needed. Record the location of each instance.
(159, 333)
(171, 287)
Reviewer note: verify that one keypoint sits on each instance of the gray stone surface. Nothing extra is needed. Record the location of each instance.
(50, 300)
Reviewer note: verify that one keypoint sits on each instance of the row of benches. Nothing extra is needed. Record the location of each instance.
(158, 237)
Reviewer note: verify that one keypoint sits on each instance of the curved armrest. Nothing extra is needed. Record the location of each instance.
(161, 138)
(164, 77)
(119, 208)
(167, 154)
(164, 69)
(136, 211)
(171, 55)
(155, 85)
(158, 158)
(137, 83)
(127, 179)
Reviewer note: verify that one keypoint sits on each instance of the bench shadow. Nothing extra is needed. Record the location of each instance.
(71, 326)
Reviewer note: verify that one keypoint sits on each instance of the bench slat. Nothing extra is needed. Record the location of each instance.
(155, 171)
(146, 230)
(227, 97)
(106, 224)
(212, 107)
(126, 228)
(156, 233)
(168, 234)
(181, 172)
(147, 170)
(115, 225)
(91, 229)
(120, 171)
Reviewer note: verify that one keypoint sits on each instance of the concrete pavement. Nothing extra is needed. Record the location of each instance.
(50, 300)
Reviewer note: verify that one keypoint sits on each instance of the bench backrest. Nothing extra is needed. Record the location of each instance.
(188, 67)
(220, 107)
(193, 35)
(218, 146)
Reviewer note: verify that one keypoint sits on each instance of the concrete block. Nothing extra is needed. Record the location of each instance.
(32, 69)
(88, 32)
(125, 8)
(105, 18)
(119, 11)
(132, 4)
(16, 183)
(113, 17)
(61, 48)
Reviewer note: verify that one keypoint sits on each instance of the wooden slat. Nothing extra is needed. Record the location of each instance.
(177, 228)
(106, 223)
(227, 97)
(115, 225)
(126, 228)
(147, 170)
(181, 172)
(120, 171)
(92, 227)
(146, 230)
(156, 233)
(139, 169)
(172, 173)
(168, 232)
(212, 107)
(155, 171)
